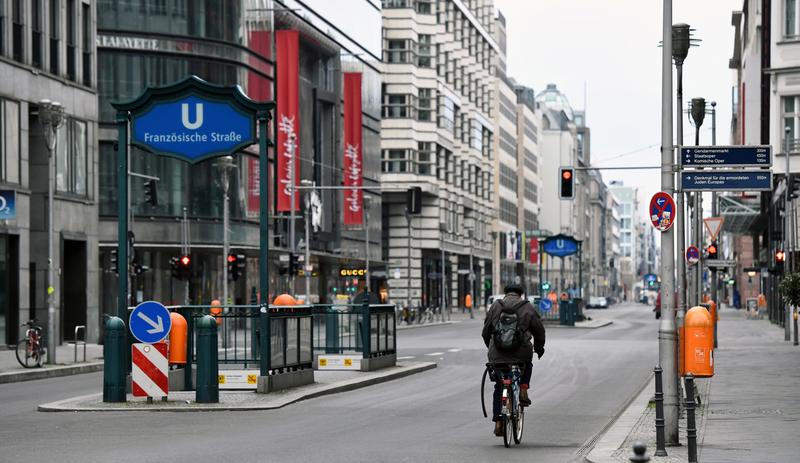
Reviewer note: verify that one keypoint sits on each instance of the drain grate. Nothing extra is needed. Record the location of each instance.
(743, 411)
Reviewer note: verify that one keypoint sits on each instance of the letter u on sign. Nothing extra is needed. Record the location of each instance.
(198, 120)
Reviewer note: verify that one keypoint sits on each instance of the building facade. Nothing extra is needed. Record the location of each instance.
(629, 235)
(47, 52)
(437, 134)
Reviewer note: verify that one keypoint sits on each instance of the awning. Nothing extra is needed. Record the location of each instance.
(739, 213)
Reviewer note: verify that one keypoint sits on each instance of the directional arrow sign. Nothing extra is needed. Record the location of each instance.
(726, 156)
(150, 322)
(727, 180)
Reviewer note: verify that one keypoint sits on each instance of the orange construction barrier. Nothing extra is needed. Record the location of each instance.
(284, 299)
(698, 355)
(177, 339)
(216, 310)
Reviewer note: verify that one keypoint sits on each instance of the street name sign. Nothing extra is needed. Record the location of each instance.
(720, 263)
(726, 180)
(662, 211)
(692, 255)
(149, 370)
(726, 156)
(150, 322)
(713, 225)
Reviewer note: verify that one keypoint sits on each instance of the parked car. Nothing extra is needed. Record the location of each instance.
(597, 302)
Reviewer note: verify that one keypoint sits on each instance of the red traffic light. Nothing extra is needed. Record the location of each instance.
(712, 249)
(231, 258)
(780, 256)
(185, 261)
(566, 174)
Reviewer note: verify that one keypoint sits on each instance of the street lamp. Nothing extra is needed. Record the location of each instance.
(225, 165)
(51, 117)
(470, 277)
(367, 201)
(305, 183)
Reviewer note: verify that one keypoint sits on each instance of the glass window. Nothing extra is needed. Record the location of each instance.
(72, 16)
(425, 56)
(395, 160)
(36, 33)
(17, 13)
(424, 6)
(426, 162)
(397, 106)
(425, 104)
(9, 141)
(399, 51)
(791, 119)
(87, 45)
(71, 158)
(791, 19)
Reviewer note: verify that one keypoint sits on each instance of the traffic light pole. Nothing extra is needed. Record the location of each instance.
(787, 332)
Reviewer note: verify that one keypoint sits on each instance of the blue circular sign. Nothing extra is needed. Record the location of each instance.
(545, 304)
(692, 255)
(150, 322)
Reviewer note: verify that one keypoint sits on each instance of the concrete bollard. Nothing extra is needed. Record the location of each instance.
(207, 388)
(115, 342)
(639, 453)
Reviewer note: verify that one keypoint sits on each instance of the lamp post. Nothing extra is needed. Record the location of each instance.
(787, 231)
(307, 261)
(225, 165)
(698, 113)
(51, 117)
(367, 201)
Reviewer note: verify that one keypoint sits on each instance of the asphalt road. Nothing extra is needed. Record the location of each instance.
(582, 382)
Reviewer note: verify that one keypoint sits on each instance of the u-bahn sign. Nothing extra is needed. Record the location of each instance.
(560, 246)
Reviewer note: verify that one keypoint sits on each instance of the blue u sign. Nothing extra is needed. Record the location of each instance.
(560, 246)
(193, 128)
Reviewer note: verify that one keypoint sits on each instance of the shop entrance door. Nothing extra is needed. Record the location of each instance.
(9, 288)
(73, 284)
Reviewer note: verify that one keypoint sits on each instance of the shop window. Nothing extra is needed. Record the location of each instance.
(71, 158)
(9, 142)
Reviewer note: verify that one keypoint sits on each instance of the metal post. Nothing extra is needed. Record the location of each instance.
(408, 281)
(691, 427)
(787, 331)
(263, 257)
(660, 447)
(441, 289)
(680, 219)
(366, 242)
(114, 349)
(292, 190)
(471, 276)
(666, 330)
(307, 263)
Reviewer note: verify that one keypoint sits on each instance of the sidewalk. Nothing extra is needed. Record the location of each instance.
(750, 409)
(11, 371)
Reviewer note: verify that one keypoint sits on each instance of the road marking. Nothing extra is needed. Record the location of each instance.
(407, 357)
(434, 354)
(453, 350)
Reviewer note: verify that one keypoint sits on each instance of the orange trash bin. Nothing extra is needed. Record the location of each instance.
(216, 310)
(284, 299)
(177, 339)
(698, 351)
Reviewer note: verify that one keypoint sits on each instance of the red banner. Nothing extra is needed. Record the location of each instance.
(288, 149)
(534, 259)
(353, 154)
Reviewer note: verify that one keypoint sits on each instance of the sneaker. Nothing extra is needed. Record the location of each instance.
(523, 398)
(498, 428)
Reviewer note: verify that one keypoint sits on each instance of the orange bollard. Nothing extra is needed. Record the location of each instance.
(177, 339)
(216, 310)
(698, 355)
(284, 299)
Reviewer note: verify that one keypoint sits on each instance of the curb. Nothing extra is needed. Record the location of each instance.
(585, 327)
(49, 372)
(613, 435)
(290, 397)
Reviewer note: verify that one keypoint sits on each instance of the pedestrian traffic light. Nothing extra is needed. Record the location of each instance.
(115, 261)
(546, 286)
(566, 177)
(711, 250)
(151, 192)
(181, 267)
(236, 264)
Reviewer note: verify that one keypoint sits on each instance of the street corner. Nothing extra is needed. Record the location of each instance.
(185, 401)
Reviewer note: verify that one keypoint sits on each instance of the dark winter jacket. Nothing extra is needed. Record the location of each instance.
(529, 322)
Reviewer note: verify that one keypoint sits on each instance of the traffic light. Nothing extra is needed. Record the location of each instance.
(794, 192)
(294, 264)
(151, 192)
(566, 177)
(236, 264)
(711, 250)
(780, 257)
(414, 200)
(181, 267)
(175, 266)
(115, 261)
(546, 286)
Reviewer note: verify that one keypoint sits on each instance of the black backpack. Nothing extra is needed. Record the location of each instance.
(507, 334)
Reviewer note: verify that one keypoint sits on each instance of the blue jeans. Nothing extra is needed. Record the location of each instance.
(525, 378)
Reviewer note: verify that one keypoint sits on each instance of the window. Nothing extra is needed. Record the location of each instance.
(397, 106)
(399, 51)
(508, 177)
(531, 161)
(508, 212)
(54, 42)
(425, 103)
(71, 158)
(16, 30)
(443, 163)
(790, 19)
(36, 33)
(508, 143)
(448, 114)
(396, 3)
(791, 119)
(9, 141)
(87, 45)
(507, 108)
(531, 191)
(396, 160)
(72, 16)
(531, 220)
(476, 138)
(426, 163)
(530, 130)
(425, 56)
(424, 6)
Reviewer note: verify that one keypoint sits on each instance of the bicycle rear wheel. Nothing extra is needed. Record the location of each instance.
(28, 355)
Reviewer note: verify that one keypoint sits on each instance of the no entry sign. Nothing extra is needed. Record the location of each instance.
(662, 211)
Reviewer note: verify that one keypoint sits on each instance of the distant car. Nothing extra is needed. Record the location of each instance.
(493, 298)
(597, 302)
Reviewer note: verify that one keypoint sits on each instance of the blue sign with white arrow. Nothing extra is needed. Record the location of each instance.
(545, 304)
(560, 246)
(150, 322)
(727, 180)
(726, 156)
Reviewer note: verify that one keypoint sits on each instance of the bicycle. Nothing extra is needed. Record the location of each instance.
(512, 413)
(425, 316)
(30, 351)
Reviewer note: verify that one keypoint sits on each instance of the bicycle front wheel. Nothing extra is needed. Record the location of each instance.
(519, 422)
(28, 355)
(507, 431)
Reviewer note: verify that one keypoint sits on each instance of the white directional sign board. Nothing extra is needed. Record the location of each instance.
(719, 263)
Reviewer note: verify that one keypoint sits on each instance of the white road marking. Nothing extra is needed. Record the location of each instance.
(407, 357)
(453, 350)
(434, 354)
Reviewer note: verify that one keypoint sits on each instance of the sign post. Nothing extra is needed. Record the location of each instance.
(193, 120)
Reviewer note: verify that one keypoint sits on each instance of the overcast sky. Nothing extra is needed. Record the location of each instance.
(610, 47)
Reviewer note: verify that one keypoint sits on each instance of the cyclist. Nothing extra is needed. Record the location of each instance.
(512, 315)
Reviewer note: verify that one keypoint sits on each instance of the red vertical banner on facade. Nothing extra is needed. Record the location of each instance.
(353, 155)
(288, 101)
(534, 255)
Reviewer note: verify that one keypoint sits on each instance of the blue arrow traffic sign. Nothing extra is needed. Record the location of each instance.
(726, 156)
(727, 180)
(545, 304)
(150, 322)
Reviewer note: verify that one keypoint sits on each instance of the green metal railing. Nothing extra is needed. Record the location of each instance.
(339, 328)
